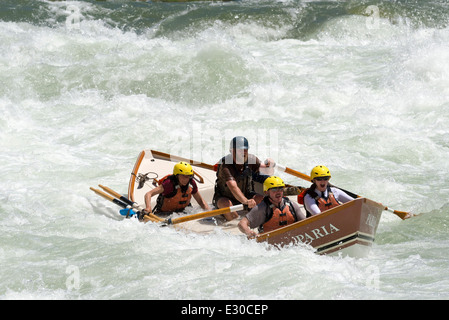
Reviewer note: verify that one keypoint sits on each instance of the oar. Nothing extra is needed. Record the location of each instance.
(401, 214)
(117, 202)
(110, 198)
(133, 205)
(206, 214)
(170, 157)
(123, 201)
(292, 172)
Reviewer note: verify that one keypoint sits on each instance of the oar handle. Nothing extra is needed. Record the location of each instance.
(280, 167)
(207, 214)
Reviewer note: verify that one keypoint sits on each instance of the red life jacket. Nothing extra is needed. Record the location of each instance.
(176, 201)
(278, 217)
(301, 196)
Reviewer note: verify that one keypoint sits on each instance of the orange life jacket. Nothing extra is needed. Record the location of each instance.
(330, 203)
(278, 217)
(176, 201)
(322, 203)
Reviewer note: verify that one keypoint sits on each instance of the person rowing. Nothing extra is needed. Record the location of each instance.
(235, 175)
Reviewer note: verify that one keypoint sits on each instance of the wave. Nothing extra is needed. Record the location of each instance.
(300, 19)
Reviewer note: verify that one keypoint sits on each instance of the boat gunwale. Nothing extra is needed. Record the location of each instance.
(132, 180)
(264, 236)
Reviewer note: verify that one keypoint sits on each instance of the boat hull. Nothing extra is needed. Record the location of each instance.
(348, 228)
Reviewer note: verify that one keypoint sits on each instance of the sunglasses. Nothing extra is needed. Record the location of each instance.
(322, 179)
(277, 189)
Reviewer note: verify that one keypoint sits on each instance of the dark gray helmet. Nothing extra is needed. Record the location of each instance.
(239, 142)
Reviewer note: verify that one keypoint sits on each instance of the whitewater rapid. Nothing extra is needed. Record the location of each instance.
(87, 85)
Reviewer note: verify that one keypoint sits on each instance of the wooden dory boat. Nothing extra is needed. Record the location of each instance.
(349, 229)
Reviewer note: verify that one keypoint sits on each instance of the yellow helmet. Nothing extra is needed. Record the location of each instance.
(272, 182)
(320, 171)
(183, 168)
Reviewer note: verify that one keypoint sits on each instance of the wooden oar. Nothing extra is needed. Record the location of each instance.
(206, 214)
(165, 156)
(125, 203)
(118, 202)
(110, 198)
(292, 172)
(170, 157)
(401, 214)
(134, 205)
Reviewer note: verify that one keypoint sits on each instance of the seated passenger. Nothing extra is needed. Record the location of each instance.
(321, 196)
(273, 212)
(175, 191)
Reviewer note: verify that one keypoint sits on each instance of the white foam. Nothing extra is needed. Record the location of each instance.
(78, 105)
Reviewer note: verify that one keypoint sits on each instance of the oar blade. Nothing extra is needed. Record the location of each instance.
(401, 214)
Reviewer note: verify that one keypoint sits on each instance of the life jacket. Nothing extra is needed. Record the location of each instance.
(243, 178)
(177, 200)
(322, 203)
(278, 217)
(301, 196)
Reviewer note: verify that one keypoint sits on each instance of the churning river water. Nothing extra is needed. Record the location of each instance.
(359, 86)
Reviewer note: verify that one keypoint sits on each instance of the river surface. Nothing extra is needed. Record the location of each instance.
(359, 86)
